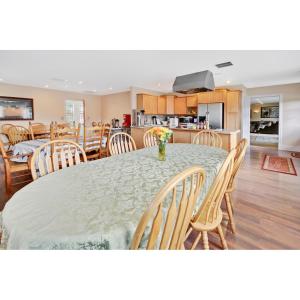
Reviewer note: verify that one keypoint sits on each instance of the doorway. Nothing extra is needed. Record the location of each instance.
(74, 112)
(265, 120)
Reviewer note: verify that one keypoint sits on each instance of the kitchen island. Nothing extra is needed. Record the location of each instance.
(186, 135)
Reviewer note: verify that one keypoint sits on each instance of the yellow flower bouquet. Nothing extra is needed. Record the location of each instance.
(162, 135)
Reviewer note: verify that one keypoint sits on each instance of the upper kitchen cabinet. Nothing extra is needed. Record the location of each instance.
(170, 104)
(162, 105)
(219, 95)
(180, 106)
(148, 103)
(205, 97)
(233, 101)
(192, 101)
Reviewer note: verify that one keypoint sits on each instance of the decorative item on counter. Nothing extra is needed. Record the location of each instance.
(162, 135)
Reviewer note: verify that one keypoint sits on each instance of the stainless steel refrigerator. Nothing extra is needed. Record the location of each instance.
(214, 112)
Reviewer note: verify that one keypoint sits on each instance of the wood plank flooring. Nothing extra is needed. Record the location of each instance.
(266, 206)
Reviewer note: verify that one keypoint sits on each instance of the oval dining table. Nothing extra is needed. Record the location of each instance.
(98, 204)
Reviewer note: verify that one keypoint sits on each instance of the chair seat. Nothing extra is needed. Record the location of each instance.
(202, 226)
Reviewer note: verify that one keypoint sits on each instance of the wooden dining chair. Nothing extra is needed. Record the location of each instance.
(105, 137)
(169, 214)
(39, 130)
(209, 216)
(65, 133)
(208, 138)
(239, 158)
(17, 134)
(149, 140)
(5, 127)
(92, 141)
(55, 155)
(16, 174)
(121, 143)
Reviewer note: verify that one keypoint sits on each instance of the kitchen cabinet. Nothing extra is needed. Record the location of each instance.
(192, 101)
(148, 103)
(162, 105)
(180, 106)
(170, 105)
(219, 96)
(205, 97)
(233, 101)
(233, 110)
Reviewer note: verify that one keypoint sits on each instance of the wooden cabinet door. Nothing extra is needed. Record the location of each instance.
(191, 101)
(205, 97)
(148, 103)
(180, 105)
(219, 96)
(170, 105)
(233, 102)
(162, 105)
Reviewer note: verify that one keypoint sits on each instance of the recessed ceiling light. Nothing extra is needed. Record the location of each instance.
(80, 82)
(110, 88)
(46, 86)
(1, 79)
(94, 91)
(228, 81)
(158, 84)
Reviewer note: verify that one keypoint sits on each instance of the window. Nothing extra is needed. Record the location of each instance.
(74, 111)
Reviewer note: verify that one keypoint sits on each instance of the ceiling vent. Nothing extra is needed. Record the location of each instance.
(224, 65)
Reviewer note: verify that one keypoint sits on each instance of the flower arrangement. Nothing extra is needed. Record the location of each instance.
(162, 135)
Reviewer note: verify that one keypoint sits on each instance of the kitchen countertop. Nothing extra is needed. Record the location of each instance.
(223, 131)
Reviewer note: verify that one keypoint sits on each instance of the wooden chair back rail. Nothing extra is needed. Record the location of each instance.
(105, 136)
(211, 205)
(209, 138)
(9, 170)
(121, 143)
(65, 133)
(55, 155)
(169, 232)
(149, 139)
(241, 149)
(92, 138)
(5, 127)
(17, 134)
(39, 129)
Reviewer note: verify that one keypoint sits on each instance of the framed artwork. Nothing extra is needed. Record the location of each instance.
(269, 112)
(16, 109)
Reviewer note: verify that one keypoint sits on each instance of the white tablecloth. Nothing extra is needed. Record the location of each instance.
(98, 205)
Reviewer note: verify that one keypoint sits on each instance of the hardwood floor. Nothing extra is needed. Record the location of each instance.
(266, 206)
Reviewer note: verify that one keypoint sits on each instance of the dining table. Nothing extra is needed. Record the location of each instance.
(22, 149)
(98, 204)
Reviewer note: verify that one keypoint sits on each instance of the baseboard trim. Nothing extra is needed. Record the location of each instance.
(289, 148)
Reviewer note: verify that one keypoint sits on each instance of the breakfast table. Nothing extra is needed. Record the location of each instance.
(98, 204)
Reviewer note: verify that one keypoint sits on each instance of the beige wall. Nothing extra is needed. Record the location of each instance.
(290, 112)
(114, 106)
(49, 104)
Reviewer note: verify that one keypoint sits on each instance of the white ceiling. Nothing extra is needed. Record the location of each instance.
(104, 72)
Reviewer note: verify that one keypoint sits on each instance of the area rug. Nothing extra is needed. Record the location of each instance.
(279, 164)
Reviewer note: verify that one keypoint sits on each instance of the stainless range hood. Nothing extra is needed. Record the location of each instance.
(194, 83)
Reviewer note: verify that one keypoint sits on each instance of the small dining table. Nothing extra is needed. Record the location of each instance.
(98, 204)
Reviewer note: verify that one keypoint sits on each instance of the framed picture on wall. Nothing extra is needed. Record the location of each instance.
(16, 109)
(270, 112)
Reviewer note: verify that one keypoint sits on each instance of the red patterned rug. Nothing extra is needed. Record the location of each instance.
(279, 164)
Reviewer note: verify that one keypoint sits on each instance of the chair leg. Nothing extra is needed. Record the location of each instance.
(205, 241)
(196, 242)
(229, 211)
(223, 241)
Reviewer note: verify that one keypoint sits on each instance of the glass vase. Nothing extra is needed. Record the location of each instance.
(162, 151)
